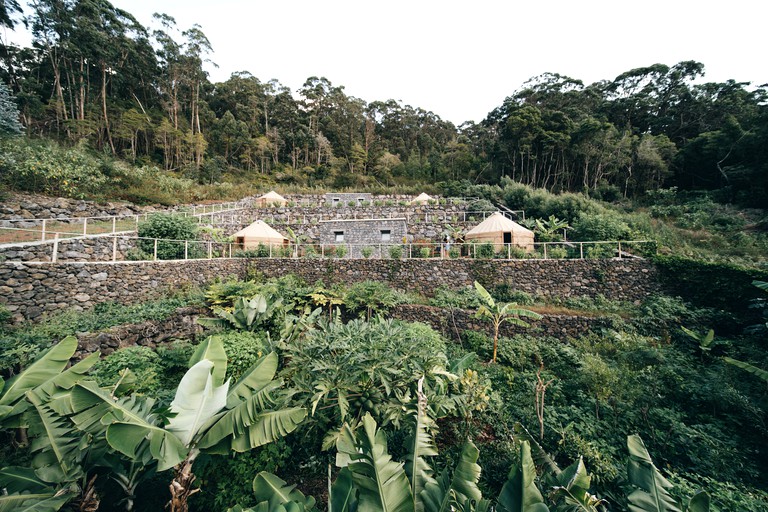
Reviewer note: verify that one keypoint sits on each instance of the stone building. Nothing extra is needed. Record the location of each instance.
(356, 234)
(344, 199)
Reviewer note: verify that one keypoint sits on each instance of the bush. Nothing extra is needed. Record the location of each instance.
(395, 252)
(464, 298)
(341, 251)
(143, 362)
(366, 252)
(167, 227)
(600, 226)
(425, 252)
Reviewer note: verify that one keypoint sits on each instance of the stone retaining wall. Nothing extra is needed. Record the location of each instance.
(452, 322)
(88, 248)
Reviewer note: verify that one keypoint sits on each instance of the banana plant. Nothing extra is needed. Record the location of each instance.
(498, 313)
(651, 489)
(61, 459)
(207, 416)
(246, 315)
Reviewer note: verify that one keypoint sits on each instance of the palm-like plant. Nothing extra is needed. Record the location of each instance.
(209, 416)
(498, 313)
(247, 314)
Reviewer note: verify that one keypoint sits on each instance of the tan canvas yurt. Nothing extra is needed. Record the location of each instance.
(271, 198)
(498, 230)
(258, 233)
(422, 199)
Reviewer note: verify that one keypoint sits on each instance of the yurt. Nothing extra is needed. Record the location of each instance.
(422, 199)
(498, 229)
(258, 233)
(271, 198)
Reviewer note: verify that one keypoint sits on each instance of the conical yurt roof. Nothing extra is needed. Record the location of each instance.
(272, 196)
(261, 231)
(497, 223)
(423, 198)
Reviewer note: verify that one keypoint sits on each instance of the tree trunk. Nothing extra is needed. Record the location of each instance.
(181, 486)
(104, 106)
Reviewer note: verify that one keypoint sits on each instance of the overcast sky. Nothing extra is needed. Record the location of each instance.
(461, 59)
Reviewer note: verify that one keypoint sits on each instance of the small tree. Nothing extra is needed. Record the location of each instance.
(165, 228)
(9, 113)
(499, 313)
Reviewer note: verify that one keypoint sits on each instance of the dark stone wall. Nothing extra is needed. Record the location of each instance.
(30, 290)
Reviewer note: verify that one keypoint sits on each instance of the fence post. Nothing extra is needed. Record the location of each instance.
(270, 250)
(210, 250)
(43, 231)
(619, 249)
(55, 255)
(114, 247)
(545, 250)
(509, 251)
(186, 249)
(85, 226)
(230, 250)
(581, 250)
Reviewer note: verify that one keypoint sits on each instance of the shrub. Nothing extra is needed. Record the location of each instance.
(366, 252)
(143, 362)
(341, 251)
(483, 251)
(600, 226)
(425, 252)
(395, 252)
(557, 252)
(167, 227)
(464, 298)
(454, 252)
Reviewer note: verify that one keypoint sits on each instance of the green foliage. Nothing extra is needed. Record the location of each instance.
(425, 252)
(143, 363)
(44, 166)
(600, 226)
(371, 297)
(395, 252)
(9, 113)
(224, 293)
(247, 314)
(464, 298)
(721, 285)
(167, 227)
(366, 252)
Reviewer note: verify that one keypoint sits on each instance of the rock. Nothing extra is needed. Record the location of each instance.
(82, 297)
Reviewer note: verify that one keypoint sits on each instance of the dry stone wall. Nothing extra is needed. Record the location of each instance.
(88, 248)
(452, 322)
(30, 290)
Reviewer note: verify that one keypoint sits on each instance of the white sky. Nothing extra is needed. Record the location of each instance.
(461, 59)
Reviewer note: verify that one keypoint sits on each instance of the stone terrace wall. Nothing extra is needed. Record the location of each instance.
(625, 279)
(90, 248)
(452, 322)
(29, 290)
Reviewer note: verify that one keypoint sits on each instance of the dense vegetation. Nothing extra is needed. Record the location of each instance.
(546, 404)
(95, 76)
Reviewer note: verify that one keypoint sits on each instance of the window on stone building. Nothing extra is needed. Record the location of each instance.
(386, 235)
(338, 236)
(336, 201)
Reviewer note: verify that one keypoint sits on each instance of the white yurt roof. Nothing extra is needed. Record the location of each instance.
(272, 196)
(498, 223)
(423, 198)
(260, 230)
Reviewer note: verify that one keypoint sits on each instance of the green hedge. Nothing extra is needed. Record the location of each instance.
(720, 285)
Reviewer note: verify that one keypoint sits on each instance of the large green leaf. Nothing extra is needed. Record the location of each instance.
(484, 295)
(44, 502)
(754, 370)
(519, 493)
(651, 493)
(460, 490)
(47, 366)
(699, 503)
(96, 412)
(343, 495)
(212, 349)
(253, 379)
(246, 426)
(381, 482)
(270, 488)
(197, 400)
(15, 479)
(421, 445)
(55, 445)
(573, 488)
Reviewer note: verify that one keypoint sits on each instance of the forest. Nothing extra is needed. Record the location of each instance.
(298, 396)
(95, 76)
